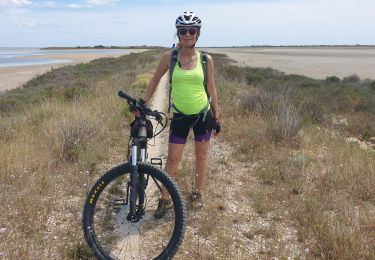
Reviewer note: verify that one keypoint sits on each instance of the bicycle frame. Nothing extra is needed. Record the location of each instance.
(138, 153)
(120, 225)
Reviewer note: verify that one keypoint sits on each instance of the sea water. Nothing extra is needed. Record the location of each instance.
(14, 57)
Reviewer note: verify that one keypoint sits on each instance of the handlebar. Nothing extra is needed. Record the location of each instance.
(141, 106)
(126, 96)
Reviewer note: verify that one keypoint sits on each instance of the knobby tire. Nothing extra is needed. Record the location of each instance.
(109, 234)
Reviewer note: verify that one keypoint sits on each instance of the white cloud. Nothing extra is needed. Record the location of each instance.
(90, 3)
(15, 3)
(75, 6)
(101, 2)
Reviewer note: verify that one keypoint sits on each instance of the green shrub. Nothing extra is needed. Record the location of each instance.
(331, 79)
(253, 78)
(72, 134)
(233, 72)
(352, 79)
(286, 121)
(372, 85)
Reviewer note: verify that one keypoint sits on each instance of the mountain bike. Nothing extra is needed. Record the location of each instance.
(118, 220)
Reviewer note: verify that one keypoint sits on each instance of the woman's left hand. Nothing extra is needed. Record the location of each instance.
(216, 128)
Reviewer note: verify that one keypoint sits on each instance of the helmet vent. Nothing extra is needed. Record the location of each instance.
(188, 19)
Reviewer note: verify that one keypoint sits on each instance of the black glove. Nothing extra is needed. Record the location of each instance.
(217, 127)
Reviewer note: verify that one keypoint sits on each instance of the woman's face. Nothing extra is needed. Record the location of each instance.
(188, 35)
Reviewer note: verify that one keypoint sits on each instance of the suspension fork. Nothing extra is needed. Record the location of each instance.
(137, 180)
(142, 180)
(133, 183)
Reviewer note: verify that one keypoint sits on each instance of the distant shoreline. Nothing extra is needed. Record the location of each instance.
(101, 47)
(16, 76)
(296, 46)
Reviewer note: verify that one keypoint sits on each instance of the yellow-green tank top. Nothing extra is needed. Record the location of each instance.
(188, 93)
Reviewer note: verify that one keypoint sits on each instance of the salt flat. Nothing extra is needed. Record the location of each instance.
(315, 62)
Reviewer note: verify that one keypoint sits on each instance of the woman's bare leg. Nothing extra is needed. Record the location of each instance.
(201, 164)
(173, 160)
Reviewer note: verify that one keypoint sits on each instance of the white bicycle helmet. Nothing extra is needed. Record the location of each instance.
(188, 19)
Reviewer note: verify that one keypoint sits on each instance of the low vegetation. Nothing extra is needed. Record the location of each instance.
(283, 180)
(57, 135)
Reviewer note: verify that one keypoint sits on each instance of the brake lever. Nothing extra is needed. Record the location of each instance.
(157, 116)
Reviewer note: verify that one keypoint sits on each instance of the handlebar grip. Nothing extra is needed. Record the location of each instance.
(126, 96)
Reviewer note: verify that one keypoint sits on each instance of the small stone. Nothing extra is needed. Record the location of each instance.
(339, 120)
(2, 230)
(352, 140)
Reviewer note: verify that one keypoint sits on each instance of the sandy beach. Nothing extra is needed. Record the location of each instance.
(315, 62)
(13, 77)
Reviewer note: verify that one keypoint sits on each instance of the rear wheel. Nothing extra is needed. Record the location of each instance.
(111, 236)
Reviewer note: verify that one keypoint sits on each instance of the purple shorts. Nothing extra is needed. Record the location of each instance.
(181, 124)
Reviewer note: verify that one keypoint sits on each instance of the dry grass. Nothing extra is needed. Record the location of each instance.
(281, 183)
(51, 153)
(44, 170)
(314, 190)
(336, 204)
(290, 187)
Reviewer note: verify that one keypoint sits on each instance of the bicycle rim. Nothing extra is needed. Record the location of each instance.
(111, 236)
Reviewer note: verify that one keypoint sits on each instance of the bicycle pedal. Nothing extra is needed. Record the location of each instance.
(118, 203)
(157, 161)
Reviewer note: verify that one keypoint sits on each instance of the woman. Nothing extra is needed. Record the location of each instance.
(191, 105)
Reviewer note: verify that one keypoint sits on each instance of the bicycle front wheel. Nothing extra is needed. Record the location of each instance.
(112, 236)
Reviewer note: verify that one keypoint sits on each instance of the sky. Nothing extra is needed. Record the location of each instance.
(40, 23)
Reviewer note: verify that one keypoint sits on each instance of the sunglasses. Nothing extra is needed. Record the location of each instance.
(183, 31)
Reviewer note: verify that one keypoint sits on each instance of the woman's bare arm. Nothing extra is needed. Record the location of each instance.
(161, 70)
(212, 88)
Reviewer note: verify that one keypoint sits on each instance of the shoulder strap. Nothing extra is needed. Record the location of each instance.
(204, 67)
(172, 65)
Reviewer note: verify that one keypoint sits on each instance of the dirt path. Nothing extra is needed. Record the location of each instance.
(132, 243)
(159, 102)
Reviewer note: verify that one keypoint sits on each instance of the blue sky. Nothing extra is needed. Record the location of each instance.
(37, 23)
